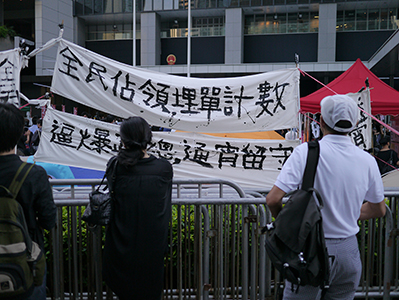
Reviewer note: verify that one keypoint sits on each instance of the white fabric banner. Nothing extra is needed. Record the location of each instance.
(11, 63)
(362, 134)
(81, 142)
(267, 101)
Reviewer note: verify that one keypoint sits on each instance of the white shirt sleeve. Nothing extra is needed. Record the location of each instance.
(290, 177)
(375, 193)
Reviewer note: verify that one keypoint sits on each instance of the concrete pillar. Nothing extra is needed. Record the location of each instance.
(79, 36)
(150, 39)
(327, 32)
(48, 14)
(234, 36)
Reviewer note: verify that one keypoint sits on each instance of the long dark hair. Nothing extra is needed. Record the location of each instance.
(136, 135)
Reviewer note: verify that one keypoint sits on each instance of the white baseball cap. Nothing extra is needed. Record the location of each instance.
(339, 108)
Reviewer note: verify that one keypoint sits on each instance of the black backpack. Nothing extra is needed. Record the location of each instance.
(22, 262)
(295, 240)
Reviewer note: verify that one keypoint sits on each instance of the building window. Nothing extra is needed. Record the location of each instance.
(367, 19)
(89, 7)
(282, 23)
(211, 26)
(117, 31)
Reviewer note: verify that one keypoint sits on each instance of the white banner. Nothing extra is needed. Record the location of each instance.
(81, 142)
(362, 134)
(262, 102)
(10, 67)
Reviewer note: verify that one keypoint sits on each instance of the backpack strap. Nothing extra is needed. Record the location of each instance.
(19, 178)
(13, 190)
(311, 165)
(111, 167)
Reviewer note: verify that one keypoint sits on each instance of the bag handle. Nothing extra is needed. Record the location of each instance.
(112, 164)
(311, 165)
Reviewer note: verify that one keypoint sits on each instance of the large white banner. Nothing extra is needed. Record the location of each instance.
(362, 134)
(262, 102)
(81, 142)
(10, 67)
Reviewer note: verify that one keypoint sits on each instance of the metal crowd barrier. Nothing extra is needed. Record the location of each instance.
(216, 246)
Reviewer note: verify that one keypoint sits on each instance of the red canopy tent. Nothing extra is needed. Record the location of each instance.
(384, 99)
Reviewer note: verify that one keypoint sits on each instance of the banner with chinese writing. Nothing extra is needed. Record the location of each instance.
(81, 142)
(267, 101)
(10, 68)
(362, 134)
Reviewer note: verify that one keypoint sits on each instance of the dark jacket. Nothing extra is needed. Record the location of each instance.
(35, 196)
(136, 239)
(391, 159)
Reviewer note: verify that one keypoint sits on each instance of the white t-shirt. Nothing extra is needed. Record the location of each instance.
(345, 177)
(33, 128)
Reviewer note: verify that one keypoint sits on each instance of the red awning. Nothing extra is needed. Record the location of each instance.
(384, 99)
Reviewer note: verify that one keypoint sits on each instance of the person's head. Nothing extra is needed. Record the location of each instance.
(135, 135)
(11, 126)
(339, 114)
(384, 141)
(110, 119)
(86, 115)
(40, 123)
(34, 120)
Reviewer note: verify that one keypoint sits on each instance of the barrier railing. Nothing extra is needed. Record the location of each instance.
(216, 247)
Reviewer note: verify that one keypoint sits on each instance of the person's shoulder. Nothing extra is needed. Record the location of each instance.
(36, 175)
(38, 170)
(164, 162)
(302, 147)
(364, 156)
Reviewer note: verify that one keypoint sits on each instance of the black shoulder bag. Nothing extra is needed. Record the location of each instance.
(99, 210)
(295, 240)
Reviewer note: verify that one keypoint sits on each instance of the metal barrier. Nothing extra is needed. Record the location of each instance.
(216, 248)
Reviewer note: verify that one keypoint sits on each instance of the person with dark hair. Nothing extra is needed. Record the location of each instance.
(86, 115)
(136, 238)
(348, 181)
(387, 159)
(36, 137)
(29, 134)
(35, 195)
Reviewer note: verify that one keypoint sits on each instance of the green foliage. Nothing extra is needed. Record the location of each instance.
(6, 31)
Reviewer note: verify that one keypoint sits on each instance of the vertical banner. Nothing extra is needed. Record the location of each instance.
(10, 68)
(362, 134)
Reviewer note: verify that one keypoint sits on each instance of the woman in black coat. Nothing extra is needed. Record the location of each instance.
(136, 238)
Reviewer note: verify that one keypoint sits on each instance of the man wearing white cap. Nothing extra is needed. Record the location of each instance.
(346, 176)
